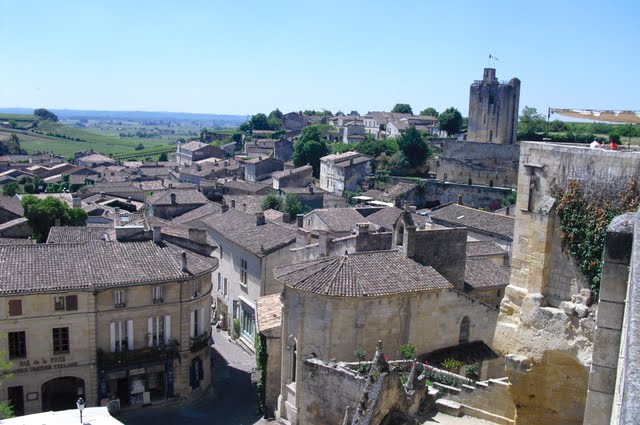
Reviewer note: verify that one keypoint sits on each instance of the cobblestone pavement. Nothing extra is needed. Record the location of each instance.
(232, 402)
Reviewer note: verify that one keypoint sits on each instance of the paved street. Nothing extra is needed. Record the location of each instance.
(233, 401)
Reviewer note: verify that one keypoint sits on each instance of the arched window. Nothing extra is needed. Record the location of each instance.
(294, 358)
(464, 330)
(400, 234)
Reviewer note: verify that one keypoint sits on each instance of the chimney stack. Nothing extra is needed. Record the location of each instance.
(233, 203)
(76, 203)
(198, 235)
(173, 199)
(260, 219)
(507, 212)
(310, 189)
(157, 234)
(286, 218)
(224, 208)
(300, 220)
(460, 200)
(363, 228)
(184, 261)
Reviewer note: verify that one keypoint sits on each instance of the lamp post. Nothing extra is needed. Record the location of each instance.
(80, 404)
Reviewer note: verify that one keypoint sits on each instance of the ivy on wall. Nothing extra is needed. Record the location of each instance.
(261, 364)
(584, 218)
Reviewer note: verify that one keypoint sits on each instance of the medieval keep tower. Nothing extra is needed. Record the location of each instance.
(493, 109)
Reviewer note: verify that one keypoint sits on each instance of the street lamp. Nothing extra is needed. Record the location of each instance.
(80, 404)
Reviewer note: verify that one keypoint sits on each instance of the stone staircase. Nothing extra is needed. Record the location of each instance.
(488, 400)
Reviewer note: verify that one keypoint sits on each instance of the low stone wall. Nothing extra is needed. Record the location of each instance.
(491, 396)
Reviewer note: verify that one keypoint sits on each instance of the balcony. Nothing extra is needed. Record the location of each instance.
(199, 342)
(108, 360)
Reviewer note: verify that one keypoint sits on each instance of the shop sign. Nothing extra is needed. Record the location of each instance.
(138, 371)
(43, 363)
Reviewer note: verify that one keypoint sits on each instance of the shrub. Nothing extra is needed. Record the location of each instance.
(407, 351)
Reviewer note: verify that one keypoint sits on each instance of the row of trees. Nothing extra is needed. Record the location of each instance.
(450, 120)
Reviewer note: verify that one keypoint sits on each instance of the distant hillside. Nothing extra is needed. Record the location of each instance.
(132, 115)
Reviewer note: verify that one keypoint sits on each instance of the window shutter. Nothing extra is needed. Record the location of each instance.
(200, 370)
(130, 334)
(71, 302)
(150, 332)
(15, 307)
(167, 329)
(201, 321)
(192, 328)
(112, 336)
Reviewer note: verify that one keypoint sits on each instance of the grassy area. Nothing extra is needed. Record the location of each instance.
(22, 121)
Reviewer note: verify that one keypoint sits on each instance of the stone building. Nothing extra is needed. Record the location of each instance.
(332, 306)
(296, 177)
(174, 202)
(345, 171)
(261, 168)
(493, 109)
(10, 209)
(104, 320)
(193, 151)
(281, 149)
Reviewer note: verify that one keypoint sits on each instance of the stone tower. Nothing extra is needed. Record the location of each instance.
(493, 109)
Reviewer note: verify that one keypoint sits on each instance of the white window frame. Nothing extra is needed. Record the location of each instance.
(158, 294)
(225, 288)
(243, 272)
(118, 330)
(158, 330)
(119, 298)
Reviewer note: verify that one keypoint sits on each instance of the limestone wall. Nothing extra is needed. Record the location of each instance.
(492, 396)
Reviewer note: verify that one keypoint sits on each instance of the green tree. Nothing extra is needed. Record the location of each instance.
(292, 206)
(29, 188)
(275, 119)
(450, 121)
(343, 147)
(414, 149)
(12, 124)
(430, 112)
(272, 202)
(402, 108)
(139, 147)
(374, 148)
(10, 189)
(11, 146)
(6, 410)
(45, 114)
(259, 122)
(43, 214)
(310, 147)
(163, 157)
(530, 123)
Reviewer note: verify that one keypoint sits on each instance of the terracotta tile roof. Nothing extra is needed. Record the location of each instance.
(94, 265)
(252, 203)
(240, 228)
(248, 187)
(183, 197)
(198, 213)
(339, 219)
(459, 215)
(269, 312)
(192, 146)
(11, 204)
(362, 274)
(388, 216)
(482, 273)
(76, 234)
(16, 241)
(484, 248)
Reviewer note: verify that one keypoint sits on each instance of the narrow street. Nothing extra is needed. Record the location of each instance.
(232, 402)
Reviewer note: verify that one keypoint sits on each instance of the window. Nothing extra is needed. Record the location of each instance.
(121, 335)
(195, 289)
(68, 303)
(159, 330)
(221, 253)
(15, 307)
(158, 294)
(119, 299)
(219, 282)
(243, 271)
(197, 323)
(17, 345)
(60, 340)
(464, 330)
(225, 287)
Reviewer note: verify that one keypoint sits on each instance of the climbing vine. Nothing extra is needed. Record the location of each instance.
(584, 218)
(261, 365)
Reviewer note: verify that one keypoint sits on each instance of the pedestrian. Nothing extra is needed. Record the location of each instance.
(613, 145)
(595, 144)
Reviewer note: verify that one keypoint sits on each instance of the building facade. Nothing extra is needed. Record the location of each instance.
(345, 171)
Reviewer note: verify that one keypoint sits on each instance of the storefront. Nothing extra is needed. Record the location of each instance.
(138, 386)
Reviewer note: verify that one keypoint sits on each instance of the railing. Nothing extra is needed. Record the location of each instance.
(199, 342)
(127, 357)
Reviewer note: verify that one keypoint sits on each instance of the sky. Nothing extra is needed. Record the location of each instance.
(244, 57)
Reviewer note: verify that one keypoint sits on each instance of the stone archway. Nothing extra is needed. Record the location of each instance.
(395, 417)
(61, 393)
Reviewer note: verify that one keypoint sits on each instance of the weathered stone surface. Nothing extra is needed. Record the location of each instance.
(606, 338)
(619, 239)
(610, 315)
(568, 307)
(602, 379)
(599, 407)
(614, 282)
(582, 310)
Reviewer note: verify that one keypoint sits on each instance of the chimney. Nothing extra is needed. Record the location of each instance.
(99, 175)
(310, 189)
(413, 209)
(157, 234)
(233, 203)
(259, 158)
(234, 178)
(199, 167)
(244, 207)
(76, 203)
(300, 220)
(363, 228)
(198, 235)
(260, 220)
(507, 212)
(184, 261)
(351, 161)
(286, 218)
(460, 200)
(323, 242)
(224, 208)
(173, 199)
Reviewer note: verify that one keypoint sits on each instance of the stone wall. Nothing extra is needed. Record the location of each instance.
(325, 391)
(445, 251)
(491, 396)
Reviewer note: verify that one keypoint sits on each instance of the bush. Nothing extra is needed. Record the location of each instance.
(407, 351)
(236, 329)
(451, 364)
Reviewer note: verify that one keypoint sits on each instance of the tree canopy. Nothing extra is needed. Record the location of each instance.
(310, 147)
(402, 108)
(531, 122)
(414, 149)
(163, 157)
(259, 122)
(430, 112)
(275, 119)
(272, 202)
(45, 114)
(11, 146)
(292, 205)
(450, 121)
(43, 214)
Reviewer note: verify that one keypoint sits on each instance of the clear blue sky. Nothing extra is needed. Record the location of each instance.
(244, 57)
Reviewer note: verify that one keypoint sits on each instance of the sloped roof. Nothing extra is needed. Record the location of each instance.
(94, 265)
(269, 312)
(183, 197)
(482, 273)
(240, 228)
(252, 203)
(340, 219)
(193, 146)
(467, 353)
(12, 205)
(484, 248)
(362, 274)
(387, 217)
(459, 215)
(76, 234)
(198, 213)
